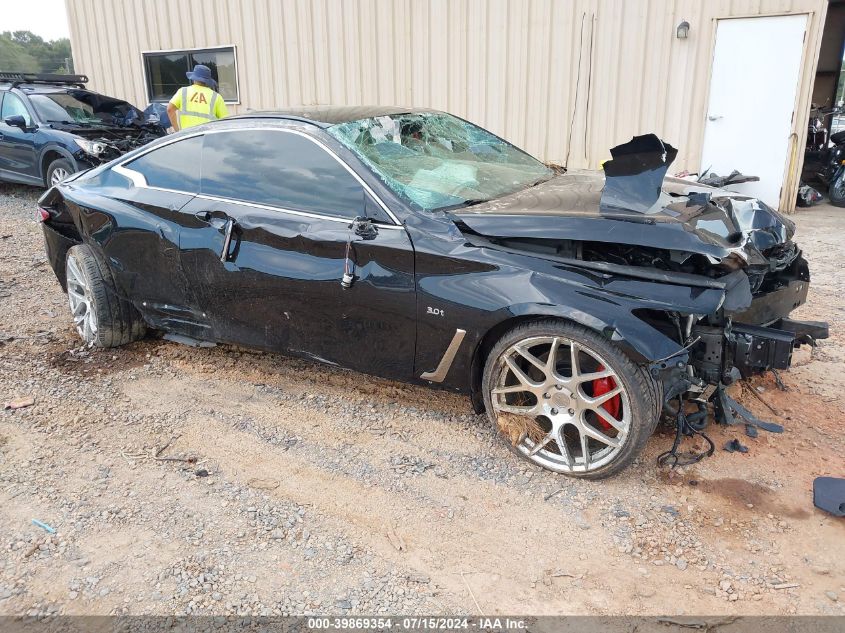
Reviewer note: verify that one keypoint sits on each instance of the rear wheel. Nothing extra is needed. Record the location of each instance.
(100, 315)
(837, 190)
(568, 400)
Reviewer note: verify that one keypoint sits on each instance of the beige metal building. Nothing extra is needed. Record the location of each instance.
(565, 79)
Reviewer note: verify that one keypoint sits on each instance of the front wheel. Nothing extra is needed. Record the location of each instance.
(837, 190)
(58, 170)
(569, 400)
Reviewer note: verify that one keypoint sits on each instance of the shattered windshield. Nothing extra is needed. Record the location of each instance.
(436, 160)
(83, 107)
(60, 107)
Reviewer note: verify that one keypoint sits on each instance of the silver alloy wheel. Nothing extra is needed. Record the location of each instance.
(552, 382)
(58, 175)
(81, 303)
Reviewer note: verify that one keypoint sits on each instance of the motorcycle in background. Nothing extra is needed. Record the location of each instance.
(824, 155)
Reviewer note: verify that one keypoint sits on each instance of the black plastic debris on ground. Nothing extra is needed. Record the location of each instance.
(734, 446)
(829, 495)
(727, 410)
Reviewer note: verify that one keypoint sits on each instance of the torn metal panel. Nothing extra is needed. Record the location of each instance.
(634, 177)
(725, 228)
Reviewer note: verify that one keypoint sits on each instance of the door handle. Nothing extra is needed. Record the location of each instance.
(227, 239)
(215, 219)
(714, 117)
(223, 223)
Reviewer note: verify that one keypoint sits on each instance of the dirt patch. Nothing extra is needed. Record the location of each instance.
(85, 360)
(740, 493)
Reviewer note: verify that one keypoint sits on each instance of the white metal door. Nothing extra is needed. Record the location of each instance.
(756, 69)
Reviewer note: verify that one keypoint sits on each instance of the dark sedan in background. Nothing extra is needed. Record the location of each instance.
(51, 127)
(414, 245)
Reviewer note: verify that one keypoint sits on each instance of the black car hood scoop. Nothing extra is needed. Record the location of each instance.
(635, 204)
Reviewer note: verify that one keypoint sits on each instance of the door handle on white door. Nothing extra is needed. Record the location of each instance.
(714, 117)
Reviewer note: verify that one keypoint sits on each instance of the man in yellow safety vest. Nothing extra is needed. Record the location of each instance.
(197, 103)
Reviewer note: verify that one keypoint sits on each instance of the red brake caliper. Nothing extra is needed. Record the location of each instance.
(600, 387)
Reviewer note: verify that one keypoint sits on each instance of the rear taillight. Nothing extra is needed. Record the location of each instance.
(42, 215)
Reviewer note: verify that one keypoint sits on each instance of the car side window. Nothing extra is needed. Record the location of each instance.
(14, 106)
(173, 166)
(278, 169)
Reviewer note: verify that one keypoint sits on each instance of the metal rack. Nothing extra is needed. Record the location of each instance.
(17, 79)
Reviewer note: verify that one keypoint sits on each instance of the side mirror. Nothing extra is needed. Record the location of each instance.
(16, 121)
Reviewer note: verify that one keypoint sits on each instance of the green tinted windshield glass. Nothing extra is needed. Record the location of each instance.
(436, 160)
(63, 107)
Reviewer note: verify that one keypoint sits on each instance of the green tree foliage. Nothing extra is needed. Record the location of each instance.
(23, 51)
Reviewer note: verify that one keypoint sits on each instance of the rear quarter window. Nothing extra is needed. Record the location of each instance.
(173, 166)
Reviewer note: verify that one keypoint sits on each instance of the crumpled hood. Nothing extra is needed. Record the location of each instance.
(111, 110)
(633, 208)
(116, 117)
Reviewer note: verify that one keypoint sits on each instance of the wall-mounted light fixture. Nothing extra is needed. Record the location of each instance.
(683, 30)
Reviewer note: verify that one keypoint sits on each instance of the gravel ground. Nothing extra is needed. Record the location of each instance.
(223, 481)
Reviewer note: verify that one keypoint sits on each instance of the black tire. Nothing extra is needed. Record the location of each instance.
(116, 321)
(836, 193)
(644, 395)
(54, 167)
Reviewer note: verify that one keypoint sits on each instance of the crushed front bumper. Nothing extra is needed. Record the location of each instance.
(760, 337)
(752, 349)
(785, 290)
(724, 354)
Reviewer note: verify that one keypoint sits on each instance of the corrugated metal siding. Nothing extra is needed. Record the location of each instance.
(559, 78)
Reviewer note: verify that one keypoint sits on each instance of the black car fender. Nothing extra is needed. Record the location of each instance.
(637, 339)
(610, 305)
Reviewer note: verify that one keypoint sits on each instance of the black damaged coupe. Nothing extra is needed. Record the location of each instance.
(574, 308)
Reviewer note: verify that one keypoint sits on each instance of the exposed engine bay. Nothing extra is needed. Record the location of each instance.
(114, 142)
(669, 230)
(111, 126)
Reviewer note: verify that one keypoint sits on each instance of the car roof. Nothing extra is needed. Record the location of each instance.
(328, 115)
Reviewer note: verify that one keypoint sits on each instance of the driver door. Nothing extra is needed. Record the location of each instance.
(18, 159)
(264, 246)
